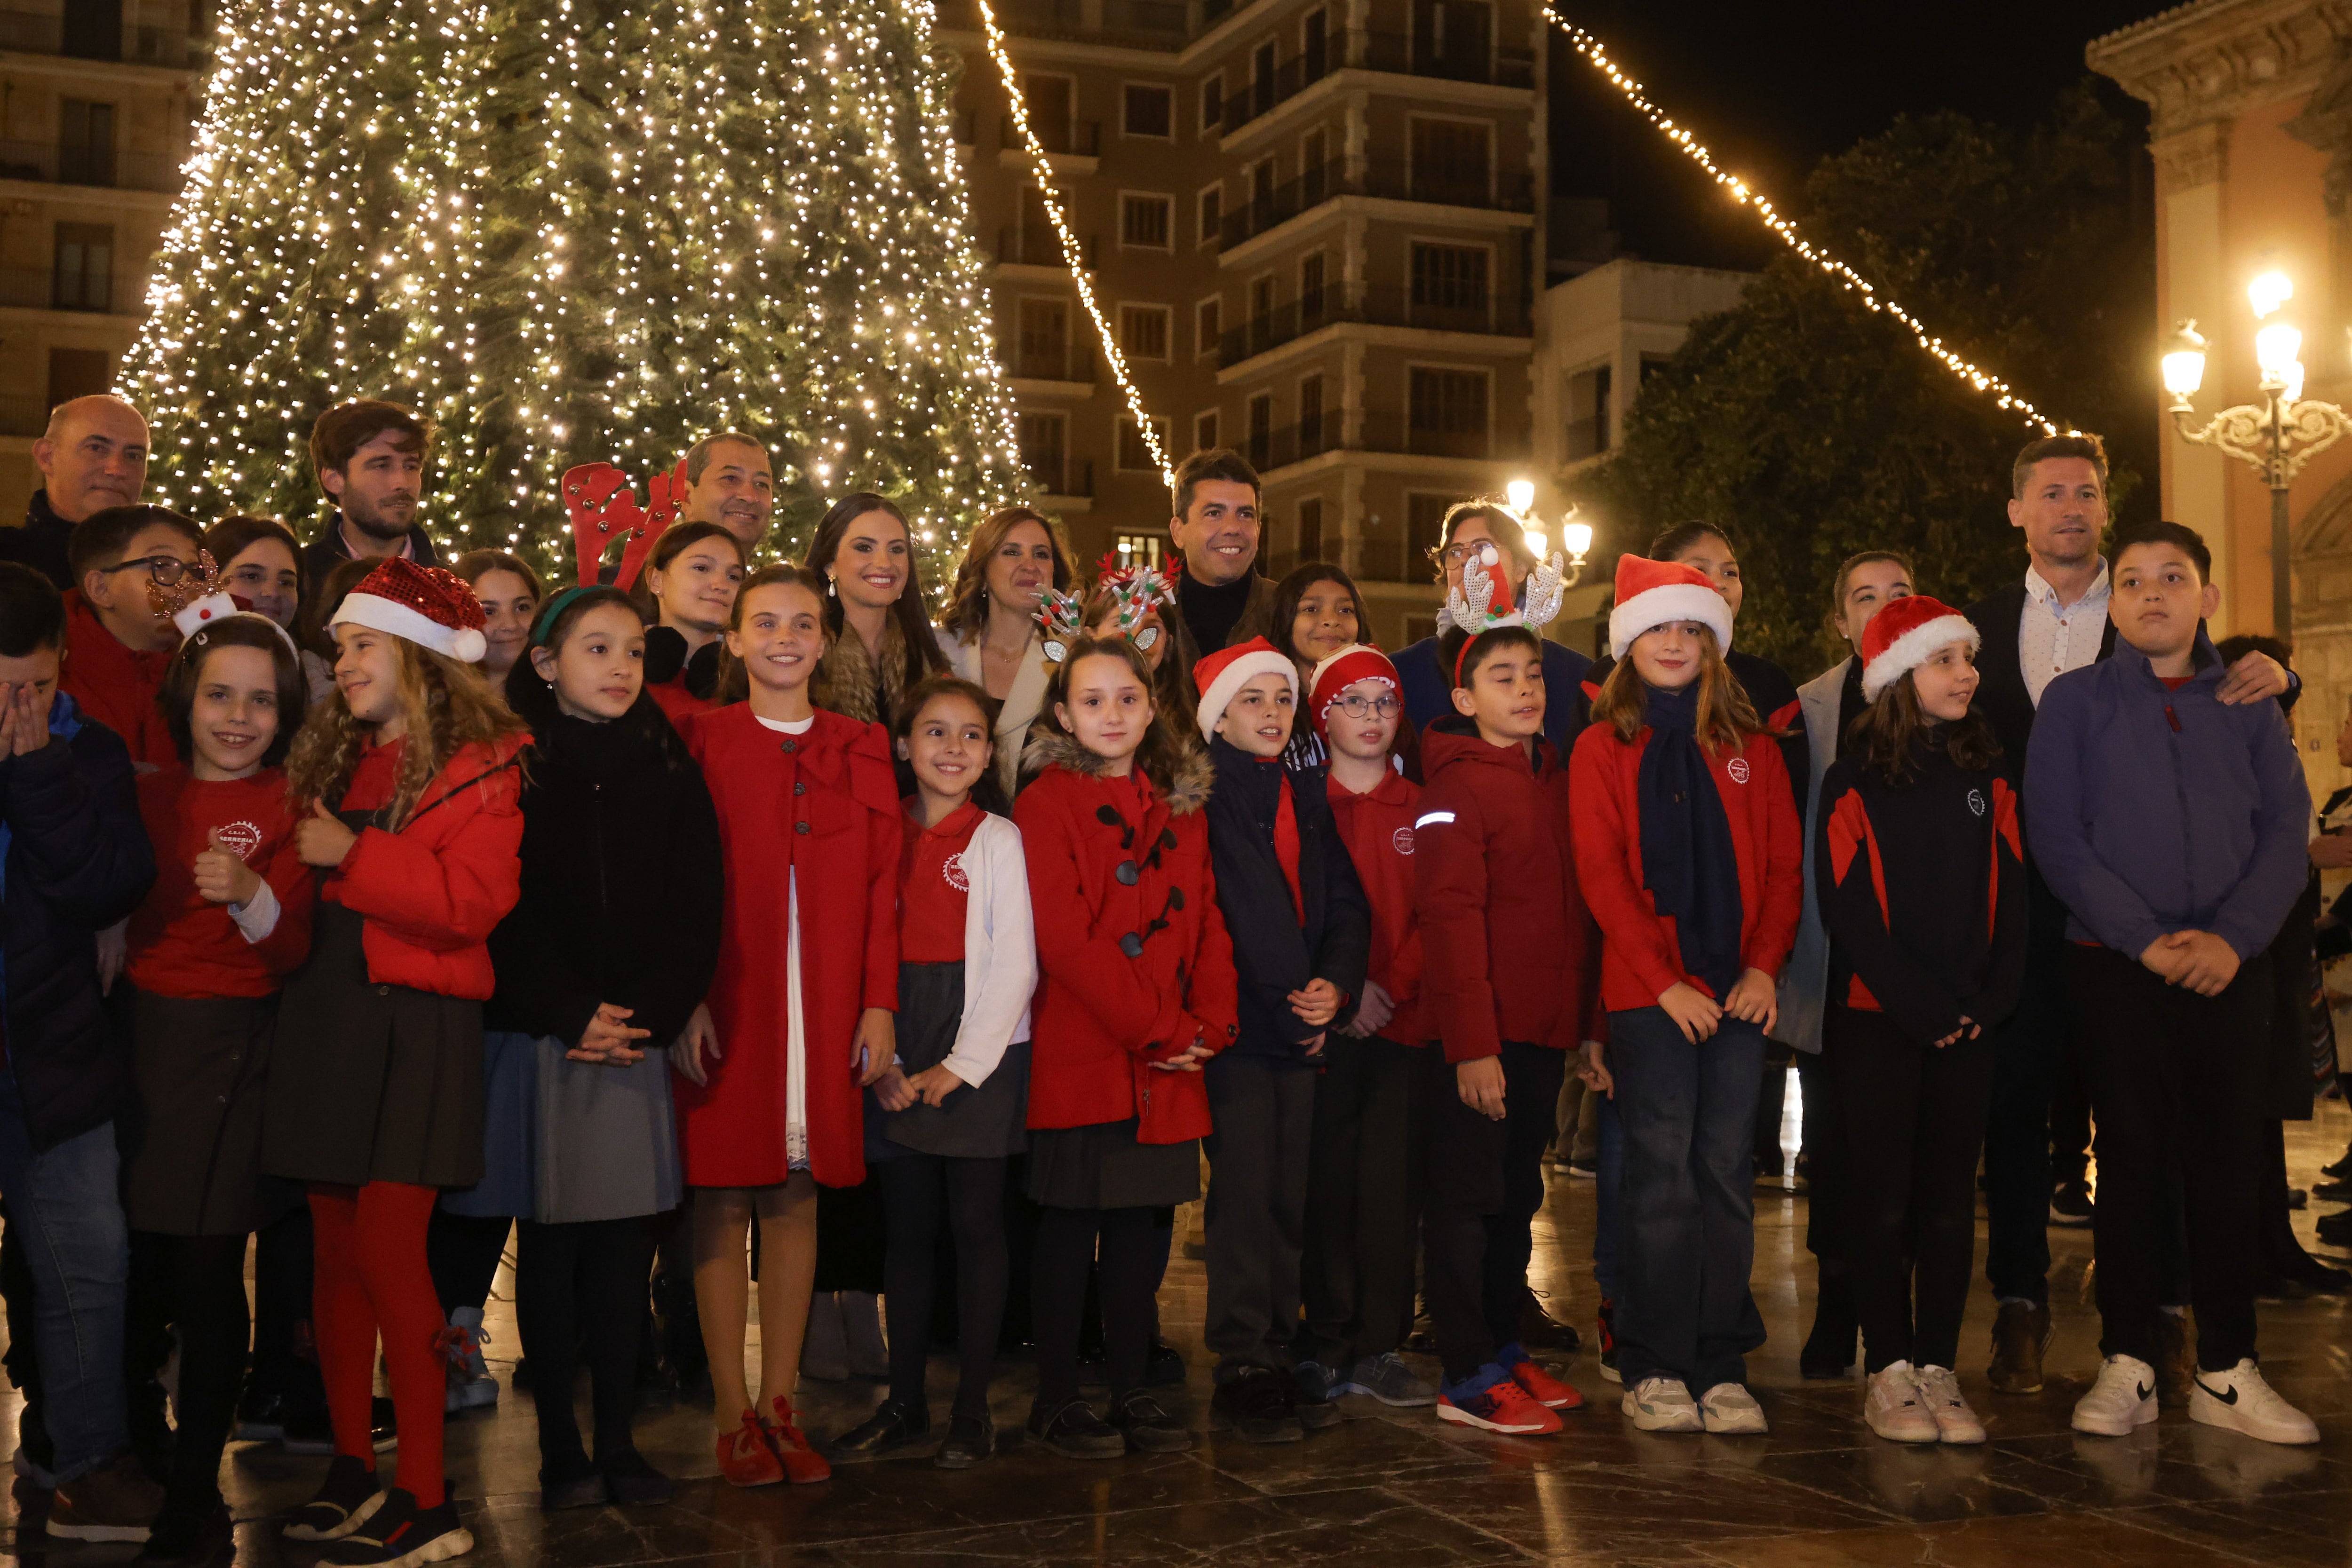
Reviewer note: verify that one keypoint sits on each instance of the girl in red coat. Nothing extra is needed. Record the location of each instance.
(406, 779)
(1137, 990)
(1689, 852)
(227, 919)
(799, 1017)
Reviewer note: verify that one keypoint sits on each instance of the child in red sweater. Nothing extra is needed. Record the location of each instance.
(1689, 851)
(1367, 1154)
(127, 562)
(227, 919)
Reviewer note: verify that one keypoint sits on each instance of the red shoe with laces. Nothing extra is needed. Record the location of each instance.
(1501, 1406)
(744, 1456)
(802, 1464)
(1541, 1386)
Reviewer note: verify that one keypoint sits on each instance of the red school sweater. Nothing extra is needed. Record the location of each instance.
(1640, 954)
(1377, 829)
(183, 943)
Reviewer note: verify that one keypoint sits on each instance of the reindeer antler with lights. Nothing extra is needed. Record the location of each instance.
(603, 502)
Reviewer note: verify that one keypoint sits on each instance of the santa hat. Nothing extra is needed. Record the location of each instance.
(429, 607)
(1356, 662)
(217, 607)
(1650, 593)
(1903, 635)
(1222, 674)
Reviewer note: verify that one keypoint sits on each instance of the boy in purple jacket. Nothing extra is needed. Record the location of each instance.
(2172, 828)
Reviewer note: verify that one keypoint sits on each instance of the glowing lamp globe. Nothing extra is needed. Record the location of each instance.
(1522, 495)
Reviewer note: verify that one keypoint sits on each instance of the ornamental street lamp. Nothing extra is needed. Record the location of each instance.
(1575, 534)
(2277, 435)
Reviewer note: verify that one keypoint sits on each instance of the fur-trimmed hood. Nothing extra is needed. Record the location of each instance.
(845, 682)
(1185, 793)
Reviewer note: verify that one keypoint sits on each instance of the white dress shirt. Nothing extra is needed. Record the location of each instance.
(2053, 639)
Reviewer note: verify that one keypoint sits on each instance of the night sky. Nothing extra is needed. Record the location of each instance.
(1773, 88)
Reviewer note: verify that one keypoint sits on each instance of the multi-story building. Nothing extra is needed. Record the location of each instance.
(1312, 225)
(97, 97)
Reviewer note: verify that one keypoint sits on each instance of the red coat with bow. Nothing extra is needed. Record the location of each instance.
(1133, 960)
(825, 803)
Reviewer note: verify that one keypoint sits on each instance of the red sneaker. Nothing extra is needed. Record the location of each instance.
(745, 1458)
(802, 1463)
(1541, 1386)
(1505, 1407)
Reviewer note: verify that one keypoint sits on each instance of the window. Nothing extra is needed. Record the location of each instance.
(1453, 39)
(83, 278)
(1137, 549)
(1204, 432)
(1260, 444)
(1588, 414)
(1424, 528)
(1311, 528)
(1314, 41)
(1314, 151)
(1134, 452)
(1449, 286)
(85, 142)
(1143, 221)
(79, 372)
(1043, 352)
(1052, 102)
(1310, 416)
(1213, 106)
(1447, 412)
(1208, 325)
(1213, 213)
(1449, 158)
(1261, 299)
(1261, 190)
(1262, 78)
(1143, 331)
(1147, 110)
(1310, 288)
(1042, 437)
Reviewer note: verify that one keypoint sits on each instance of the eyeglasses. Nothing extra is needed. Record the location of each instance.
(163, 570)
(1355, 706)
(1458, 555)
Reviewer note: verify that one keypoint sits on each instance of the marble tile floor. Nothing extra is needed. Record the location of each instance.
(1395, 1489)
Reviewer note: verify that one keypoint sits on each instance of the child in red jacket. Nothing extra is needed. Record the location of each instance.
(1689, 851)
(1136, 990)
(1367, 1154)
(128, 564)
(407, 782)
(227, 919)
(1508, 987)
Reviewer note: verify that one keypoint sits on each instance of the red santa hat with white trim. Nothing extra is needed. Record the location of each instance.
(1652, 593)
(1333, 676)
(1903, 635)
(1222, 674)
(428, 606)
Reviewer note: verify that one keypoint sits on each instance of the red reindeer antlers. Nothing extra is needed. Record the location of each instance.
(603, 502)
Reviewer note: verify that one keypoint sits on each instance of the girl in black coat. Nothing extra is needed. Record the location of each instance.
(600, 964)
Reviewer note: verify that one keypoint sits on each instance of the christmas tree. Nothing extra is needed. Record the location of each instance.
(571, 231)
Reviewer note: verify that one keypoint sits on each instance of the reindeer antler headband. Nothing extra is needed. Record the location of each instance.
(603, 502)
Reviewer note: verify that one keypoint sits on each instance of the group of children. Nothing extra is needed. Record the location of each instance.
(544, 950)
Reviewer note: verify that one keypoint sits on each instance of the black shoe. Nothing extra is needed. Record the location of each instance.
(345, 1500)
(520, 1378)
(403, 1536)
(1538, 1330)
(260, 1417)
(1164, 1365)
(893, 1425)
(1255, 1404)
(1149, 1428)
(578, 1485)
(633, 1482)
(2336, 1229)
(1073, 1431)
(2336, 1191)
(1311, 1397)
(2342, 1167)
(2310, 1277)
(970, 1439)
(1828, 1354)
(195, 1533)
(2070, 1204)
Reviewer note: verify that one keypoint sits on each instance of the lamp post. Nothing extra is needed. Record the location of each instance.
(2277, 435)
(1575, 535)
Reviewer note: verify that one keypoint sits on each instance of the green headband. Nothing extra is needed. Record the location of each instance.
(550, 611)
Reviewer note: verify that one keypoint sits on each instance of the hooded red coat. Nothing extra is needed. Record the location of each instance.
(1102, 1012)
(827, 803)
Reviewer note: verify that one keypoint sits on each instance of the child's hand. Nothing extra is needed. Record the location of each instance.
(893, 1090)
(2166, 957)
(1375, 1010)
(698, 1041)
(1754, 999)
(1315, 1047)
(1480, 1084)
(222, 875)
(1317, 1005)
(2253, 678)
(113, 953)
(1969, 1029)
(607, 1039)
(876, 1048)
(1693, 1010)
(932, 1085)
(2208, 964)
(1593, 1069)
(1188, 1059)
(320, 839)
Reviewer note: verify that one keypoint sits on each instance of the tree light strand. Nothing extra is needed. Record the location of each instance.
(1071, 256)
(1982, 379)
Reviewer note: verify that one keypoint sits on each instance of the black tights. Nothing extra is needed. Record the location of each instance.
(206, 1276)
(1130, 1261)
(463, 1251)
(584, 1280)
(916, 1188)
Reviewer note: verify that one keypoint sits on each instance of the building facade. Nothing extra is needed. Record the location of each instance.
(97, 99)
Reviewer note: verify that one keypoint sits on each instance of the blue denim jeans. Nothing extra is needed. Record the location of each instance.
(1687, 1237)
(1608, 1219)
(66, 1203)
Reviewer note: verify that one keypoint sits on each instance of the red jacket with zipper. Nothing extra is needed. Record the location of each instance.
(1642, 956)
(1377, 828)
(1509, 951)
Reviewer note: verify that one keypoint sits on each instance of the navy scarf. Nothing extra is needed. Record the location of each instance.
(1688, 861)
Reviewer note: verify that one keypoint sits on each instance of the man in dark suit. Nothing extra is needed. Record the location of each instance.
(93, 455)
(1221, 598)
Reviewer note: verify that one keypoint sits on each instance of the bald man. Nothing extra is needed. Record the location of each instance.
(92, 457)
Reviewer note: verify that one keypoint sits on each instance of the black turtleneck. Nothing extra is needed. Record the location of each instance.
(1211, 612)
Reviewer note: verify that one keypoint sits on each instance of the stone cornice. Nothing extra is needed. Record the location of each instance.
(2213, 59)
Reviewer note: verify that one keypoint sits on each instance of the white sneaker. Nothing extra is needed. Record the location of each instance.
(2122, 1401)
(1939, 1391)
(1662, 1404)
(1730, 1410)
(2241, 1401)
(1892, 1409)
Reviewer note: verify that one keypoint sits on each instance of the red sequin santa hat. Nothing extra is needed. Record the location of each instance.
(1903, 635)
(1332, 677)
(1652, 593)
(429, 607)
(1222, 674)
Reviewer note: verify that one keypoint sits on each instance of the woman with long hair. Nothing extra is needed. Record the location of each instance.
(989, 635)
(686, 594)
(864, 551)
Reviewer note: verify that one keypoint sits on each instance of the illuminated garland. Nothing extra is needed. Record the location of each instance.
(1981, 380)
(1071, 256)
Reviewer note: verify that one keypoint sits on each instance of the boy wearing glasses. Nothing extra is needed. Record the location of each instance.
(119, 632)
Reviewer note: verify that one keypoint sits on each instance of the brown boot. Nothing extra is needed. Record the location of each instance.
(2020, 1335)
(2175, 1358)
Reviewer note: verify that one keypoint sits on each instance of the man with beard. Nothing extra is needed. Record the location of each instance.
(728, 482)
(370, 460)
(93, 455)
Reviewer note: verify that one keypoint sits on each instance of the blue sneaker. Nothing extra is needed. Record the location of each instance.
(1492, 1401)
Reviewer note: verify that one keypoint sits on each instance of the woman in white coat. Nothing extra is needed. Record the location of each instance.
(990, 632)
(1866, 583)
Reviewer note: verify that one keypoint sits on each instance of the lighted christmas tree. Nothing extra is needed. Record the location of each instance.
(574, 230)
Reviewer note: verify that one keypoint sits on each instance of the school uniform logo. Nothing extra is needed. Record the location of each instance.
(1402, 840)
(242, 837)
(953, 869)
(1737, 769)
(1977, 803)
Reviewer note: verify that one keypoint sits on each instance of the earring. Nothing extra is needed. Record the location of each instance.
(829, 592)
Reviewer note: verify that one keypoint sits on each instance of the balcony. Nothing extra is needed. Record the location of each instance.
(1389, 178)
(1368, 305)
(1051, 362)
(1062, 139)
(31, 32)
(41, 288)
(51, 164)
(1294, 443)
(1363, 50)
(1039, 247)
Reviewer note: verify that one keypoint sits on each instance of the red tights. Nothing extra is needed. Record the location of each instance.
(370, 1274)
